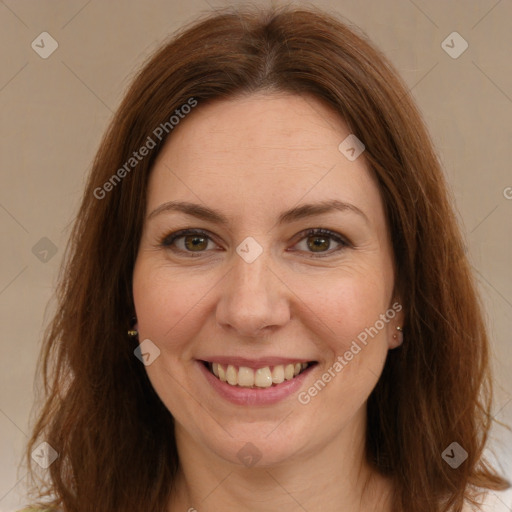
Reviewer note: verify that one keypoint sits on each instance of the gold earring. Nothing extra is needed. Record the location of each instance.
(133, 333)
(400, 336)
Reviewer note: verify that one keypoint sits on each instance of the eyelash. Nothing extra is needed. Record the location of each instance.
(168, 240)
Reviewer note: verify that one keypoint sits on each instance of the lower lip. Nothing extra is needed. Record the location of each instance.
(254, 396)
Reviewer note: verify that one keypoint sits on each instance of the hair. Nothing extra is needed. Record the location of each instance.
(113, 434)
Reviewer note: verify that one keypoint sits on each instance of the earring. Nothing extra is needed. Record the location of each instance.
(399, 336)
(133, 333)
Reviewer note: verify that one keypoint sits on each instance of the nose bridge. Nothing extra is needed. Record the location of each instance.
(250, 278)
(252, 297)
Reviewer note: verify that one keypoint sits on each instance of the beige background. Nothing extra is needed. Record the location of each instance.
(55, 110)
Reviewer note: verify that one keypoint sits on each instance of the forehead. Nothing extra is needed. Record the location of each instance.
(279, 126)
(263, 149)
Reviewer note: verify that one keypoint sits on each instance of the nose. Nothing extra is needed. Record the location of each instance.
(254, 300)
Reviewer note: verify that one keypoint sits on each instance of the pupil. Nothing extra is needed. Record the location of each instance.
(196, 241)
(322, 241)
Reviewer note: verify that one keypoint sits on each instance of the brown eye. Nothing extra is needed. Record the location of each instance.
(195, 242)
(319, 244)
(187, 241)
(318, 241)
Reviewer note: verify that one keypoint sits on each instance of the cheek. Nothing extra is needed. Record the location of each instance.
(343, 306)
(351, 334)
(168, 304)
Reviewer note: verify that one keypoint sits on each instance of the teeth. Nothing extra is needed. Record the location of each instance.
(263, 378)
(222, 373)
(232, 375)
(278, 374)
(245, 377)
(260, 378)
(289, 371)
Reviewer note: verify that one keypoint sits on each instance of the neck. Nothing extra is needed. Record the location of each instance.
(333, 477)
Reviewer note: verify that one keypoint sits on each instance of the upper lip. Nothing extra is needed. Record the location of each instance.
(259, 362)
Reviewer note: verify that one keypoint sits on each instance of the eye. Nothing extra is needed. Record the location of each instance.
(317, 242)
(189, 241)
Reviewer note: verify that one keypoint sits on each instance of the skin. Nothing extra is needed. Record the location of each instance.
(251, 158)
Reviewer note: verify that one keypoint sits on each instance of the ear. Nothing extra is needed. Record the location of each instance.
(396, 315)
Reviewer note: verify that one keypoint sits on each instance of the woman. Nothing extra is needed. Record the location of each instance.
(266, 304)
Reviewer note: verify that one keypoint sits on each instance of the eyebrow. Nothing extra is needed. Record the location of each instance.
(294, 214)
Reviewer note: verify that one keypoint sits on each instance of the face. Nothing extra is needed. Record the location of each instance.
(264, 287)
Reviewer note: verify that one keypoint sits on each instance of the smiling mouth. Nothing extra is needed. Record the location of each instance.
(242, 376)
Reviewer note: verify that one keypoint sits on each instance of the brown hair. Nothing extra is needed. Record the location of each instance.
(101, 414)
